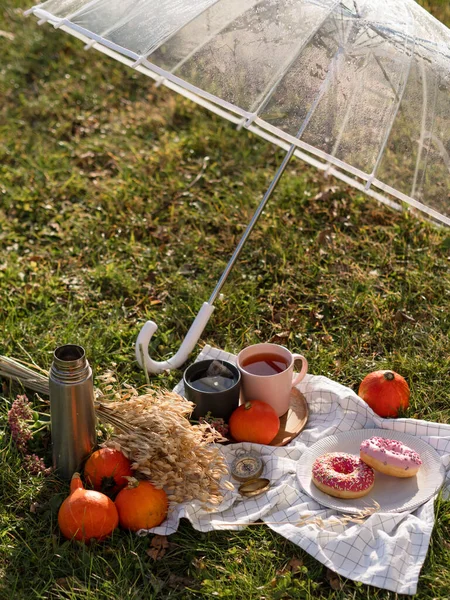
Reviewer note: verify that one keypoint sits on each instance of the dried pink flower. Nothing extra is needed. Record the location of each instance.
(35, 465)
(19, 416)
(216, 423)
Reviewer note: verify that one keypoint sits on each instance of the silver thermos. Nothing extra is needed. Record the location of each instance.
(73, 425)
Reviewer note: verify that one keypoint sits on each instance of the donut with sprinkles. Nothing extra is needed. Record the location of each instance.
(390, 457)
(342, 475)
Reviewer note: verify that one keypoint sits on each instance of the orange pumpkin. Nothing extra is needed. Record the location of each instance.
(106, 470)
(86, 514)
(254, 421)
(141, 506)
(386, 392)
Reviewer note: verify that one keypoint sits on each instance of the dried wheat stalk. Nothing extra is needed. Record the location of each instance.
(344, 519)
(153, 431)
(24, 374)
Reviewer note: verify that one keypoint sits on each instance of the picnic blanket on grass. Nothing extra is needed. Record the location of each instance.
(387, 550)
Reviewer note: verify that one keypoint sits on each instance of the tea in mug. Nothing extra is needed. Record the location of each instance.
(265, 363)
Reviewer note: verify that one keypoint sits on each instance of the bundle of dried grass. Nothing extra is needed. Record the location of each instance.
(153, 431)
(29, 375)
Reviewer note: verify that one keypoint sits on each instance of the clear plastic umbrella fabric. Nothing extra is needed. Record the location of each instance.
(361, 87)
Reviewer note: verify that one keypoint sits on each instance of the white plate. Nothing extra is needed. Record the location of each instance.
(393, 494)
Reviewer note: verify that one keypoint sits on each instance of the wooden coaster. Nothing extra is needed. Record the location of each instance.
(292, 422)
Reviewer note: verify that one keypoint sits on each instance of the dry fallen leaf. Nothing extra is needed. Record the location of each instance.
(198, 563)
(325, 194)
(324, 238)
(294, 565)
(155, 554)
(402, 317)
(334, 580)
(279, 337)
(158, 547)
(176, 581)
(8, 35)
(63, 582)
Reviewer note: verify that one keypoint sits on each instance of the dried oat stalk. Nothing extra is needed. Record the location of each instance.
(154, 432)
(358, 518)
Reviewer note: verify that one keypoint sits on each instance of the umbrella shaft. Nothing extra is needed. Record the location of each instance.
(252, 223)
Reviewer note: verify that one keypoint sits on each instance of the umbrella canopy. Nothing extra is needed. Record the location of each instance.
(360, 87)
(357, 88)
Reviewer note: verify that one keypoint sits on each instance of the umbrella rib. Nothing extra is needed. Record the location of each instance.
(444, 154)
(173, 33)
(415, 203)
(121, 22)
(393, 117)
(276, 80)
(314, 150)
(348, 112)
(192, 88)
(118, 24)
(384, 31)
(386, 76)
(323, 88)
(77, 12)
(422, 128)
(69, 26)
(207, 40)
(358, 14)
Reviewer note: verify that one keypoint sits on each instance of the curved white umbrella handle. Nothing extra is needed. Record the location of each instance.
(185, 349)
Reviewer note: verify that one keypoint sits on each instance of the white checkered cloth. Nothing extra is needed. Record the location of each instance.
(386, 551)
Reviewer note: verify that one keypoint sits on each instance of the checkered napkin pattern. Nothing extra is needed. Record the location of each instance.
(387, 550)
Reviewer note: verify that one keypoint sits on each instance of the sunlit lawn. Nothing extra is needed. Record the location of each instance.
(101, 229)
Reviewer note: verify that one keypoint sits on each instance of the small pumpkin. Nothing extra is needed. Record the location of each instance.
(107, 469)
(255, 421)
(386, 392)
(86, 514)
(141, 505)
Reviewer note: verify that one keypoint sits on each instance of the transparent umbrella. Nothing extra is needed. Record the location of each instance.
(358, 88)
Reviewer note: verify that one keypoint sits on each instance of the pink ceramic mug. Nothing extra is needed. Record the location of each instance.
(266, 374)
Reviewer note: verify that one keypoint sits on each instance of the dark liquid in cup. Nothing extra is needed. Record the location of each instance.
(217, 383)
(265, 364)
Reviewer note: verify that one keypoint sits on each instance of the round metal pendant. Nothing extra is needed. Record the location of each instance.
(247, 466)
(254, 487)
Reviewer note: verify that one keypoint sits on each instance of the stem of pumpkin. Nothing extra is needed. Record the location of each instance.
(389, 376)
(76, 483)
(132, 482)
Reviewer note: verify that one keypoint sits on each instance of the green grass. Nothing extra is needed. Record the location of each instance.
(99, 231)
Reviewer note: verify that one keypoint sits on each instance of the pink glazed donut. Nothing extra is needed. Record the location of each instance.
(342, 475)
(390, 457)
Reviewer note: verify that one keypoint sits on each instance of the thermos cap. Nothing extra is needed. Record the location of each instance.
(69, 365)
(69, 353)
